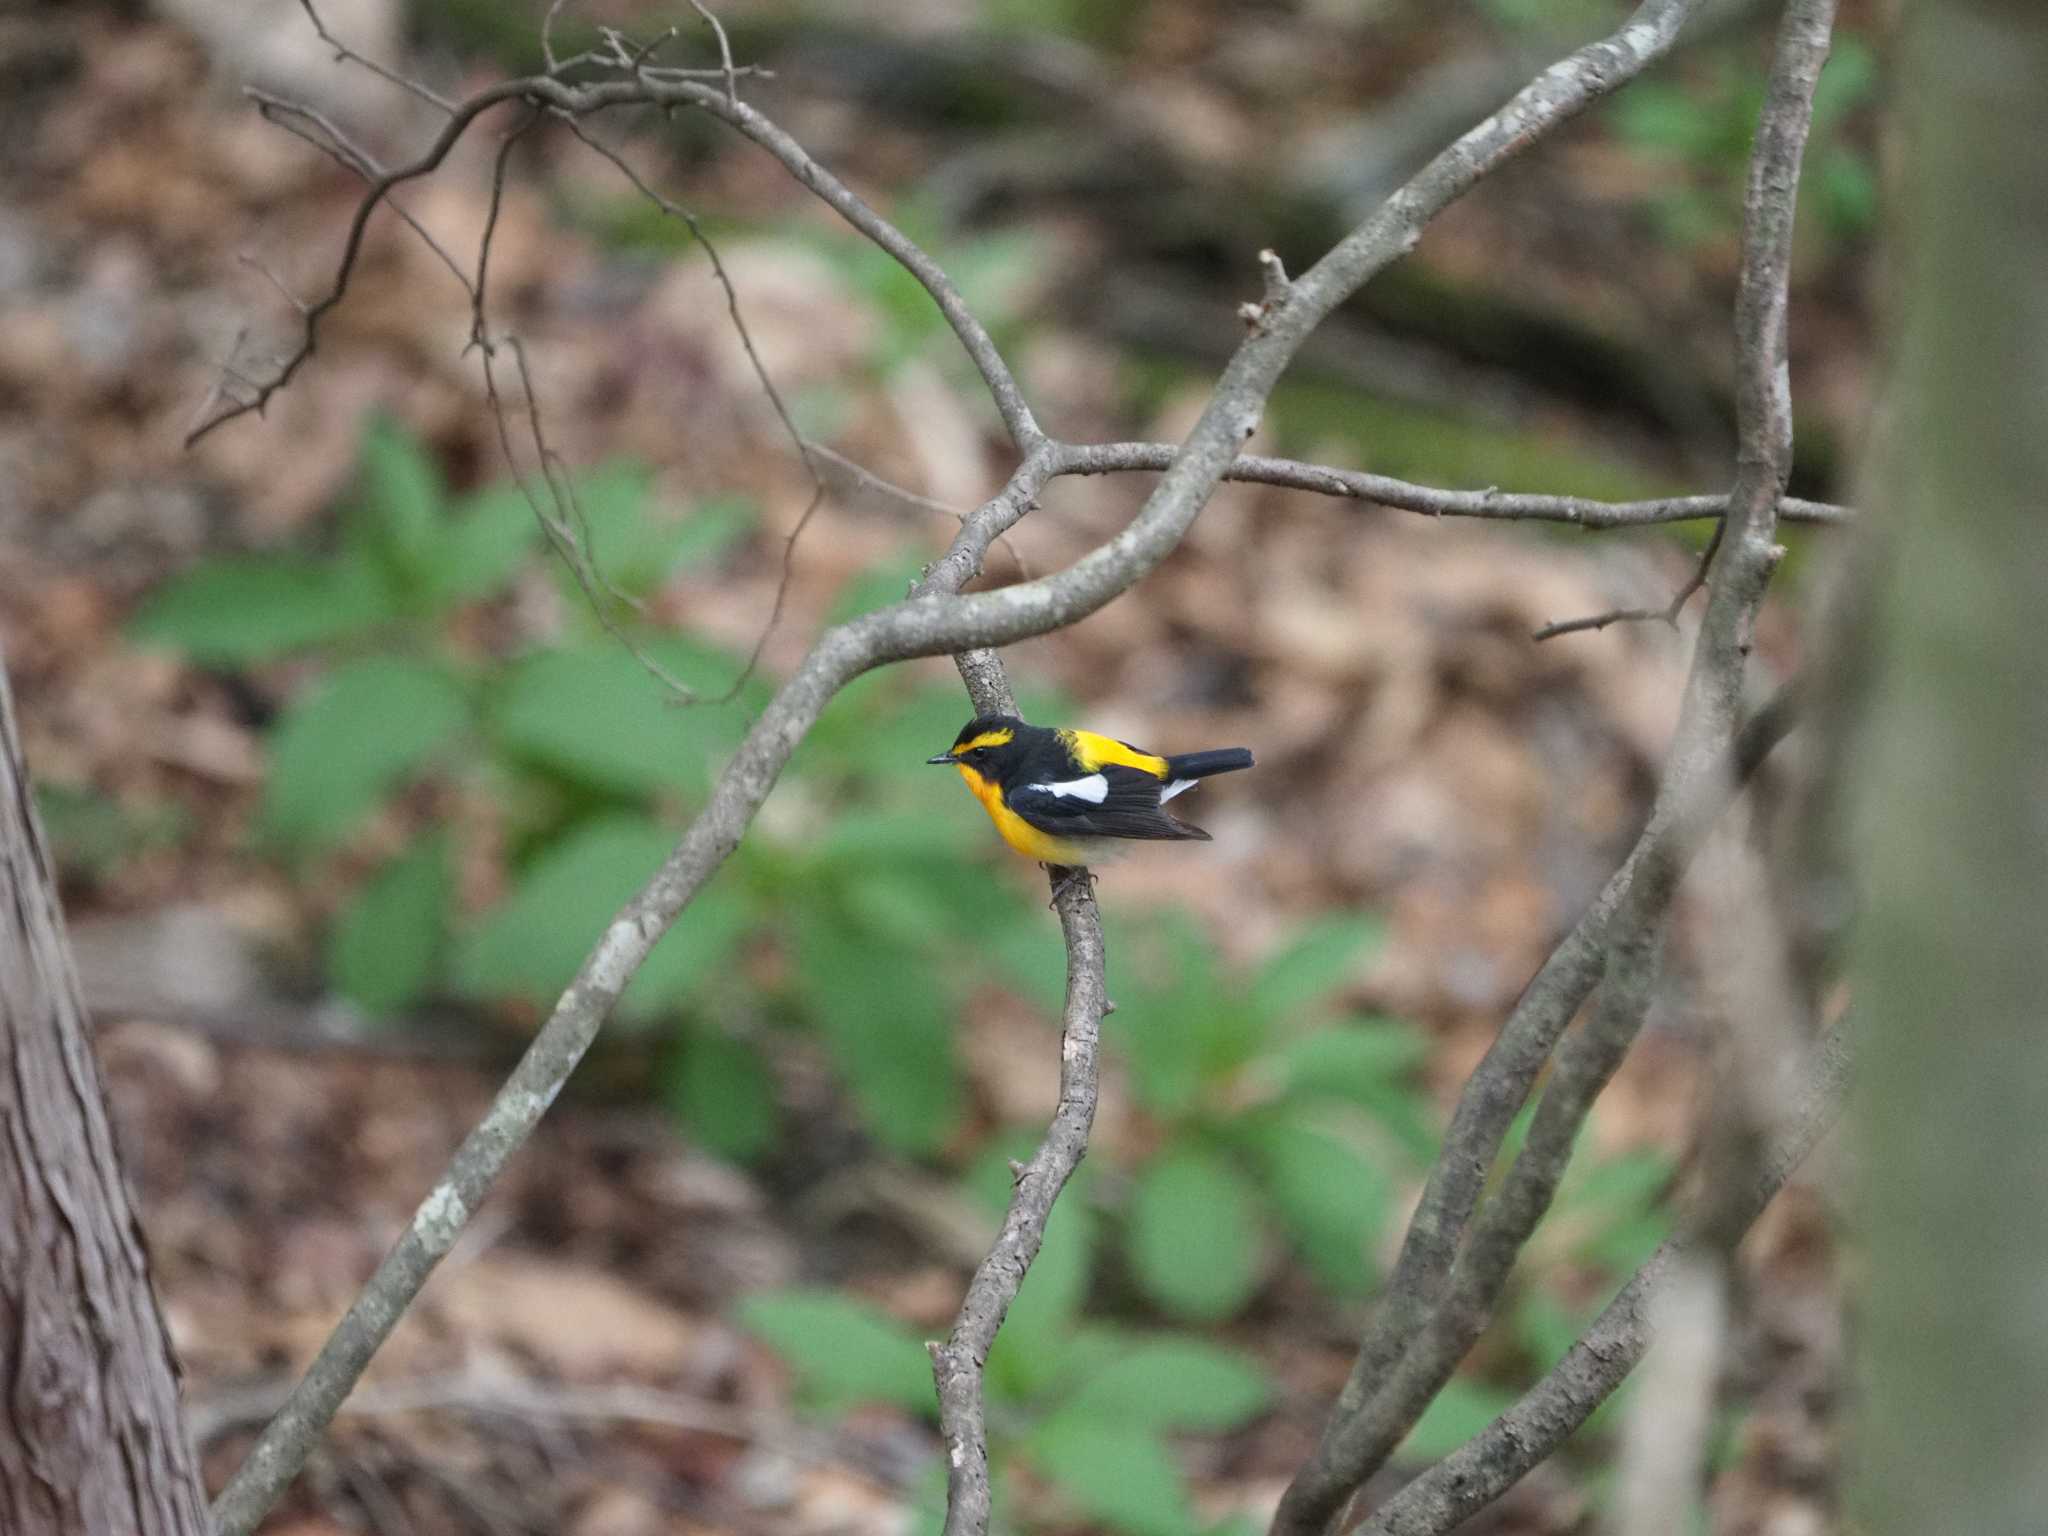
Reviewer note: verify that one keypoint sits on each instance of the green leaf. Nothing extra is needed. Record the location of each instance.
(349, 739)
(597, 716)
(1175, 1383)
(1333, 1200)
(492, 535)
(1846, 184)
(1653, 115)
(1354, 1061)
(711, 529)
(96, 834)
(1847, 81)
(635, 544)
(1031, 958)
(385, 947)
(843, 1350)
(690, 955)
(858, 837)
(721, 1090)
(533, 942)
(878, 587)
(1314, 964)
(880, 730)
(400, 495)
(1174, 1018)
(885, 1022)
(1615, 1186)
(1457, 1413)
(1120, 1474)
(1544, 1327)
(1194, 1234)
(247, 609)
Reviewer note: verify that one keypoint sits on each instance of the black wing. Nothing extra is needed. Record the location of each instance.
(1129, 807)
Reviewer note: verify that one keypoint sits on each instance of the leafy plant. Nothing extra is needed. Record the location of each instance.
(868, 900)
(1707, 130)
(1088, 1408)
(1277, 1123)
(576, 740)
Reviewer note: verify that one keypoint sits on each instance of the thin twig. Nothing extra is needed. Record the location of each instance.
(572, 536)
(860, 477)
(343, 54)
(578, 545)
(732, 94)
(500, 163)
(1432, 501)
(1667, 615)
(272, 276)
(547, 36)
(351, 157)
(804, 449)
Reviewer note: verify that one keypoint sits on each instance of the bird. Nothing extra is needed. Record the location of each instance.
(1067, 797)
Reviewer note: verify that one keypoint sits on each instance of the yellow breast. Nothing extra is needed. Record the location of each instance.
(1018, 832)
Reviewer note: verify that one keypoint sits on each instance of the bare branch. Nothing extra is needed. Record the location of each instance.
(1667, 615)
(650, 88)
(576, 543)
(343, 54)
(352, 246)
(547, 36)
(804, 449)
(1406, 496)
(732, 95)
(957, 1365)
(932, 621)
(350, 156)
(1553, 1410)
(1438, 1299)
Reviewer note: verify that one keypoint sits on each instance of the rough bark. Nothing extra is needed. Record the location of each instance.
(91, 1442)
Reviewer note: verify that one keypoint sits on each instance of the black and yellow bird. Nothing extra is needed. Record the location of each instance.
(1067, 797)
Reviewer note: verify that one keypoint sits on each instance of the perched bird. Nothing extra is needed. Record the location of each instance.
(1066, 797)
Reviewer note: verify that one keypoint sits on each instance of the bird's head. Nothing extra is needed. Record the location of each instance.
(984, 745)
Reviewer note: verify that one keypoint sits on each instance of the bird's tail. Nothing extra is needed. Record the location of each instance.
(1199, 765)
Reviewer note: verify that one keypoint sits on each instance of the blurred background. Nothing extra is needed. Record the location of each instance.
(346, 769)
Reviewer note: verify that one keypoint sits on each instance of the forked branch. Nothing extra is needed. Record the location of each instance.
(940, 617)
(1446, 1282)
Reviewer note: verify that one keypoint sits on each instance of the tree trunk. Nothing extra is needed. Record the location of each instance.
(1952, 951)
(91, 1443)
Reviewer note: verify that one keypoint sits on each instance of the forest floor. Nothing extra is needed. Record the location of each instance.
(576, 1366)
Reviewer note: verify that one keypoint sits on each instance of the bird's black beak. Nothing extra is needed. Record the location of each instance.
(942, 758)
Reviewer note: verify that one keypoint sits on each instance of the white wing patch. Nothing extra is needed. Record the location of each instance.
(1175, 788)
(1094, 789)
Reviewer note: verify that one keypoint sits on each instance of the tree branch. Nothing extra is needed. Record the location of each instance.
(1438, 1300)
(1406, 496)
(934, 620)
(1553, 1410)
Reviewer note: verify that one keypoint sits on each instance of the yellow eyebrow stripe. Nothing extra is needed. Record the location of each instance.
(986, 739)
(1092, 751)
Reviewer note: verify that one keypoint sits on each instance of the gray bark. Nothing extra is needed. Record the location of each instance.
(1952, 951)
(91, 1442)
